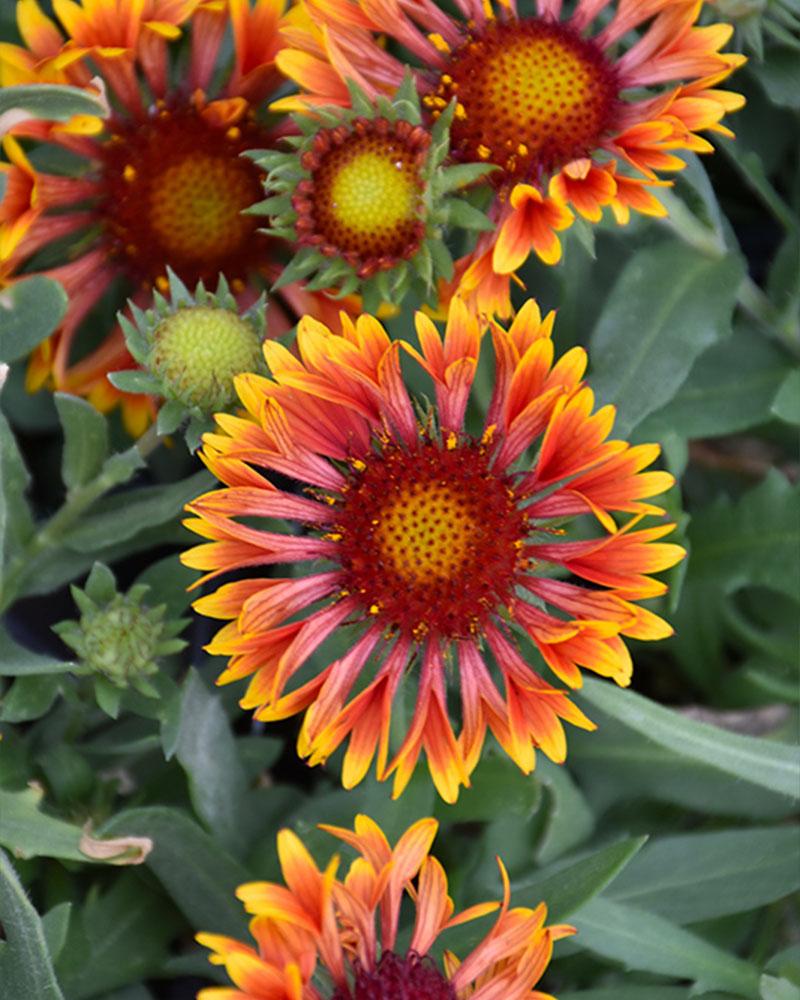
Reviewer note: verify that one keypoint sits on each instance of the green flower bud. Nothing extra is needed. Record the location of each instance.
(118, 639)
(198, 350)
(191, 347)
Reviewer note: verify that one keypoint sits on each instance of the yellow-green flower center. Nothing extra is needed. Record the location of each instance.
(198, 351)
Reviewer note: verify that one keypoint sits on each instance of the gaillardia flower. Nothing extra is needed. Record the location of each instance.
(579, 110)
(364, 196)
(160, 183)
(344, 932)
(439, 547)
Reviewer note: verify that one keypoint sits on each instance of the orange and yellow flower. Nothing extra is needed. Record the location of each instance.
(160, 182)
(579, 112)
(437, 543)
(344, 932)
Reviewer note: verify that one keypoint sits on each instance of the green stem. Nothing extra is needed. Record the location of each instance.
(750, 298)
(77, 502)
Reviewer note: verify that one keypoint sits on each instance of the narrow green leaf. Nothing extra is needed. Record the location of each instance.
(135, 381)
(16, 523)
(85, 439)
(649, 943)
(669, 304)
(569, 885)
(55, 924)
(197, 874)
(778, 989)
(29, 310)
(625, 766)
(461, 213)
(26, 969)
(786, 405)
(630, 993)
(761, 762)
(569, 819)
(116, 518)
(700, 876)
(207, 752)
(17, 661)
(51, 102)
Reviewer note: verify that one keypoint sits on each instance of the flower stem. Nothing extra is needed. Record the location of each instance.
(116, 470)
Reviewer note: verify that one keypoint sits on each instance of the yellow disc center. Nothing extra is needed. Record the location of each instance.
(372, 190)
(426, 531)
(367, 197)
(196, 204)
(532, 95)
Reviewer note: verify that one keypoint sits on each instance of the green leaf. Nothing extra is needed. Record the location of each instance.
(16, 661)
(779, 74)
(117, 518)
(760, 762)
(47, 101)
(669, 304)
(778, 989)
(29, 697)
(649, 943)
(461, 213)
(786, 405)
(123, 937)
(620, 765)
(55, 924)
(29, 311)
(569, 885)
(134, 381)
(197, 874)
(730, 388)
(16, 523)
(26, 969)
(630, 993)
(568, 817)
(498, 788)
(700, 876)
(30, 833)
(207, 752)
(751, 542)
(85, 439)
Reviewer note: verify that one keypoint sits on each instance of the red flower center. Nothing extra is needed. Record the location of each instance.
(431, 538)
(394, 978)
(532, 96)
(363, 201)
(175, 188)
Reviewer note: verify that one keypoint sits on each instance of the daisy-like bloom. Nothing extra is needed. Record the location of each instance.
(580, 108)
(160, 183)
(345, 932)
(437, 549)
(364, 196)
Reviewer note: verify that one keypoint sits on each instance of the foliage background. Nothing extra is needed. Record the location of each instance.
(670, 837)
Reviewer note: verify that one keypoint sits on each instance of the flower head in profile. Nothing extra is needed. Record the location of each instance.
(579, 111)
(363, 194)
(160, 183)
(437, 547)
(344, 932)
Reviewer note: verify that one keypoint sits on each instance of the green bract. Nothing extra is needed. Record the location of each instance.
(323, 263)
(192, 347)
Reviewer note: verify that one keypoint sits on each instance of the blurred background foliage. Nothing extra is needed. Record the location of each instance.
(670, 837)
